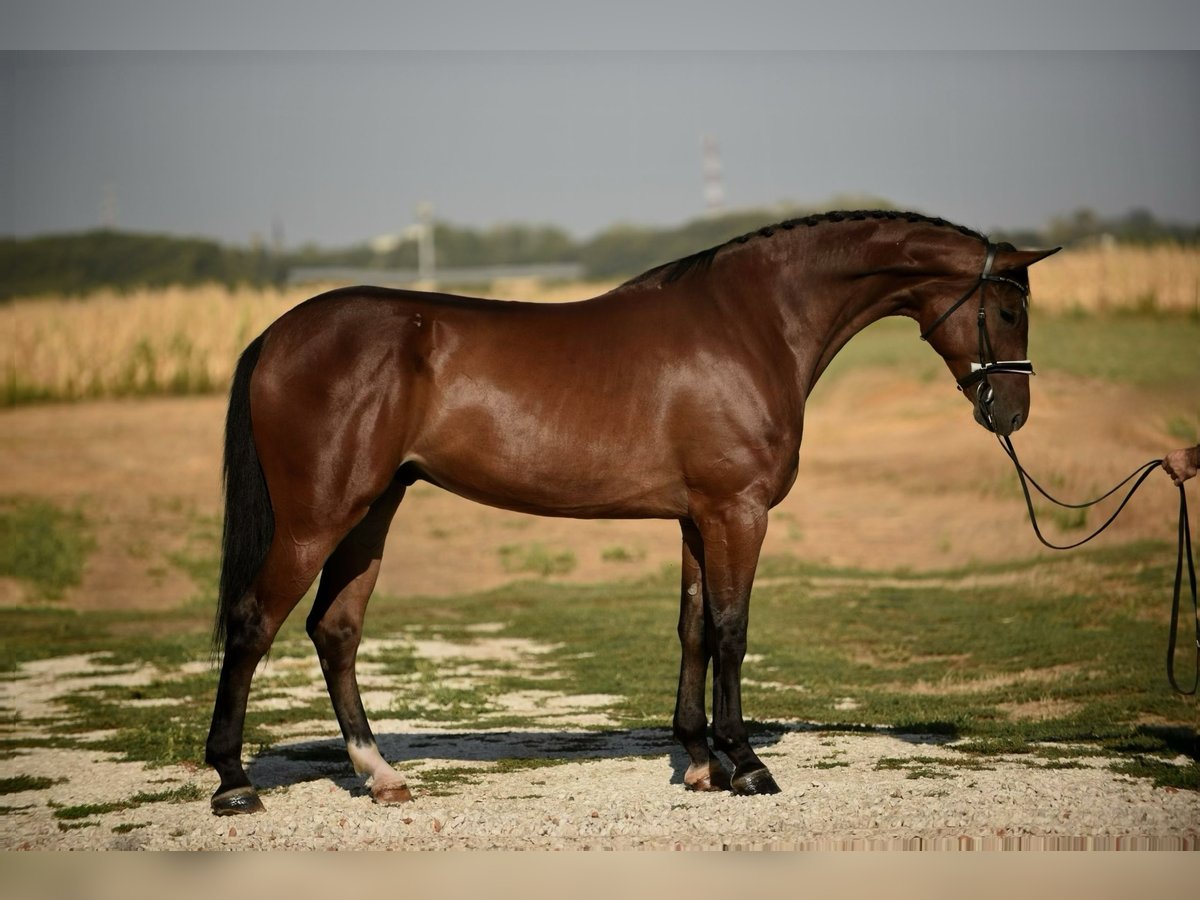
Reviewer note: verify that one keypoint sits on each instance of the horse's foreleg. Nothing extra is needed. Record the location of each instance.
(335, 626)
(252, 625)
(732, 539)
(695, 634)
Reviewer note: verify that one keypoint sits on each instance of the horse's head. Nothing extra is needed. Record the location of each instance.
(979, 325)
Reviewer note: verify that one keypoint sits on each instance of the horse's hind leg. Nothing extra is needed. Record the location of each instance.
(335, 626)
(695, 639)
(286, 574)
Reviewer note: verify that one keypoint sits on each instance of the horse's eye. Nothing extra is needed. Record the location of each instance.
(1009, 317)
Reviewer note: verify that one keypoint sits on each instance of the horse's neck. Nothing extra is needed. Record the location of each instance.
(824, 304)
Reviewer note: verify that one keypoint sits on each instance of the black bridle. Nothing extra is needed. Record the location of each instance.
(988, 365)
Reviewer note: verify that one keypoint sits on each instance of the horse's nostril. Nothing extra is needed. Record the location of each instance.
(1016, 421)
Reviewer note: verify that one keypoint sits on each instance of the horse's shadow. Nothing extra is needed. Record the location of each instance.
(283, 765)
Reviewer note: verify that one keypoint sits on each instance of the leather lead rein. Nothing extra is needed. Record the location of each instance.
(988, 364)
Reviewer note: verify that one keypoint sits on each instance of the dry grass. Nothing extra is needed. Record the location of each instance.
(168, 341)
(186, 340)
(182, 340)
(1119, 279)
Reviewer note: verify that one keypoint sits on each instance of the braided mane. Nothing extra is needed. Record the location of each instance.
(701, 261)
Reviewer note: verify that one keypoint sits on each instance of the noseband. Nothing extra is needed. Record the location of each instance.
(988, 364)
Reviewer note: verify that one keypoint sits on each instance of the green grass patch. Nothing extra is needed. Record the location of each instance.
(1080, 637)
(87, 810)
(920, 766)
(21, 783)
(42, 545)
(126, 827)
(1184, 429)
(619, 553)
(76, 826)
(1161, 772)
(525, 763)
(536, 559)
(200, 559)
(447, 780)
(1149, 349)
(184, 794)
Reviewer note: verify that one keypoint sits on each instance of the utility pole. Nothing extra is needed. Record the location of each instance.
(714, 185)
(422, 233)
(109, 211)
(426, 266)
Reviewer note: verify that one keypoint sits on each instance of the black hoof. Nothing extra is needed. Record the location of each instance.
(236, 802)
(758, 781)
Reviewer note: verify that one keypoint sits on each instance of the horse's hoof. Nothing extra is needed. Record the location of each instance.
(711, 777)
(757, 782)
(391, 793)
(236, 802)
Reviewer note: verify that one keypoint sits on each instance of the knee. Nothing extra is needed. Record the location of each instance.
(333, 636)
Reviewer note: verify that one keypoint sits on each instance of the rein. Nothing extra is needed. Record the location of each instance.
(1184, 550)
(988, 364)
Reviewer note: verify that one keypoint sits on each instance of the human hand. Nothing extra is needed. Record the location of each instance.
(1182, 464)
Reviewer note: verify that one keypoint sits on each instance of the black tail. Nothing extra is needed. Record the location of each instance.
(249, 521)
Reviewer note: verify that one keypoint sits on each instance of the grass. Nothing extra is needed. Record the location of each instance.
(42, 545)
(619, 553)
(20, 783)
(941, 653)
(1184, 429)
(187, 793)
(536, 559)
(1150, 350)
(186, 340)
(953, 658)
(1120, 279)
(153, 341)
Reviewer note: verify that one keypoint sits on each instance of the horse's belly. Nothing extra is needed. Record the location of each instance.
(575, 478)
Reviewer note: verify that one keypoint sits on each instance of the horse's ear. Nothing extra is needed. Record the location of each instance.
(1011, 260)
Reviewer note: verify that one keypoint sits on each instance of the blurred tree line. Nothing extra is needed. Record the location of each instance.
(1085, 226)
(75, 264)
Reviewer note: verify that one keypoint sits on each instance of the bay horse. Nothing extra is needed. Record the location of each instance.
(677, 395)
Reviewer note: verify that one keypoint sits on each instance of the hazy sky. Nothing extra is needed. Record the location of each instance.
(340, 145)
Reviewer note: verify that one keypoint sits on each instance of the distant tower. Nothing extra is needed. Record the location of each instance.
(714, 186)
(277, 237)
(109, 210)
(425, 254)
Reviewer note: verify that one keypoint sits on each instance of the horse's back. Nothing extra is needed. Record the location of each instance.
(609, 407)
(540, 407)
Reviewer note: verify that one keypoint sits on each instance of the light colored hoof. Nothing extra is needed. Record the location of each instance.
(708, 777)
(391, 793)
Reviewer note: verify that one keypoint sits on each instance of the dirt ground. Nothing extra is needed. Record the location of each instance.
(894, 473)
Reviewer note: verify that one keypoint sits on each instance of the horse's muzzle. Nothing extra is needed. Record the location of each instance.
(999, 415)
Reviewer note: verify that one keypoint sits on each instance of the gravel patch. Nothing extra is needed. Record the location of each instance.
(568, 778)
(628, 802)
